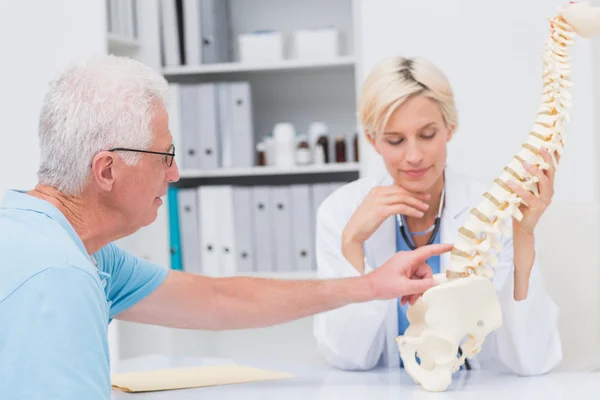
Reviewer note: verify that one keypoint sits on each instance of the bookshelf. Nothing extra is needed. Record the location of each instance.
(292, 89)
(283, 87)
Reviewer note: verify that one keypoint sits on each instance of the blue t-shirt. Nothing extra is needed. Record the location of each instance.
(433, 262)
(56, 303)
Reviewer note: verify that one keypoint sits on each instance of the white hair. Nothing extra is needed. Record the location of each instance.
(94, 105)
(394, 80)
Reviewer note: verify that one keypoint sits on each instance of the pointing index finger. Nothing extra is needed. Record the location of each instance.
(424, 252)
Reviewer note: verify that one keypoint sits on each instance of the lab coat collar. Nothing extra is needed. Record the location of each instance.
(457, 194)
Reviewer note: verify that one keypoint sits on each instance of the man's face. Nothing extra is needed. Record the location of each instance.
(141, 187)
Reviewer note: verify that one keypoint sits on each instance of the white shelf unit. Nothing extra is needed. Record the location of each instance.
(271, 170)
(238, 67)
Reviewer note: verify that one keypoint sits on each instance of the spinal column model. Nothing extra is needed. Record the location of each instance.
(464, 303)
(478, 238)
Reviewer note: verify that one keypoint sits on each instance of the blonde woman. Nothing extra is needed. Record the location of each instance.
(407, 110)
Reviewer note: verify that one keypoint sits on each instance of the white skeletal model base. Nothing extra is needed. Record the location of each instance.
(444, 316)
(464, 304)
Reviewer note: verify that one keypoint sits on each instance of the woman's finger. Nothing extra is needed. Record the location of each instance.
(545, 184)
(548, 158)
(397, 190)
(406, 199)
(403, 209)
(527, 197)
(535, 171)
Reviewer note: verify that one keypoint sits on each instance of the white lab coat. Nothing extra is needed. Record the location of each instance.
(362, 336)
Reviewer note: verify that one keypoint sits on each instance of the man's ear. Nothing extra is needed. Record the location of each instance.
(103, 170)
(371, 139)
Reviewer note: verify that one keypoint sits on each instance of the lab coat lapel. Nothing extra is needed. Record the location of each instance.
(384, 241)
(455, 207)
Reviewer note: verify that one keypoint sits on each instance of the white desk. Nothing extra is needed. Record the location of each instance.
(321, 382)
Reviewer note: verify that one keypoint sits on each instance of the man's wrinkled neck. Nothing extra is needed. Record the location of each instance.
(84, 217)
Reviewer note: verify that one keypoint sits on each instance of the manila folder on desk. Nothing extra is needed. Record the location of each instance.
(184, 378)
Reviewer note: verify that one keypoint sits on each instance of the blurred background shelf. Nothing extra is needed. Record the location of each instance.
(271, 170)
(270, 175)
(171, 73)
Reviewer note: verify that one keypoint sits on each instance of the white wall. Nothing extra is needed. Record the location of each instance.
(491, 53)
(37, 37)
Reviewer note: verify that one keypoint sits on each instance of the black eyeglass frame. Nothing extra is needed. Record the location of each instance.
(169, 157)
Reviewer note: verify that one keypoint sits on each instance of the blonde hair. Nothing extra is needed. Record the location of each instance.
(393, 81)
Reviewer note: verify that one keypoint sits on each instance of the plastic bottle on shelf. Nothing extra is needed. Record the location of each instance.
(318, 135)
(315, 130)
(284, 135)
(340, 149)
(355, 146)
(261, 152)
(303, 152)
(270, 150)
(319, 155)
(323, 143)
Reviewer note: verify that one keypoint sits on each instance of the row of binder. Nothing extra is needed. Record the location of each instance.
(236, 230)
(122, 18)
(194, 32)
(213, 124)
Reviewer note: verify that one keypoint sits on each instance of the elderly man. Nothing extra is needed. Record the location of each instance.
(106, 159)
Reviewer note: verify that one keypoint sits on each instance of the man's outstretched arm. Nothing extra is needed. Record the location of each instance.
(198, 302)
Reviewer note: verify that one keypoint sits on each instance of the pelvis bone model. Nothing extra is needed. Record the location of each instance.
(464, 303)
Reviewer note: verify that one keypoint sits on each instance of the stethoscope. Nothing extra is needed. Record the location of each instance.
(435, 227)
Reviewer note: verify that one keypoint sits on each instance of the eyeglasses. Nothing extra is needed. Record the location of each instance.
(168, 156)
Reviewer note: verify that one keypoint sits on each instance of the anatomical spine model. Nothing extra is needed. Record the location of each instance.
(464, 303)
